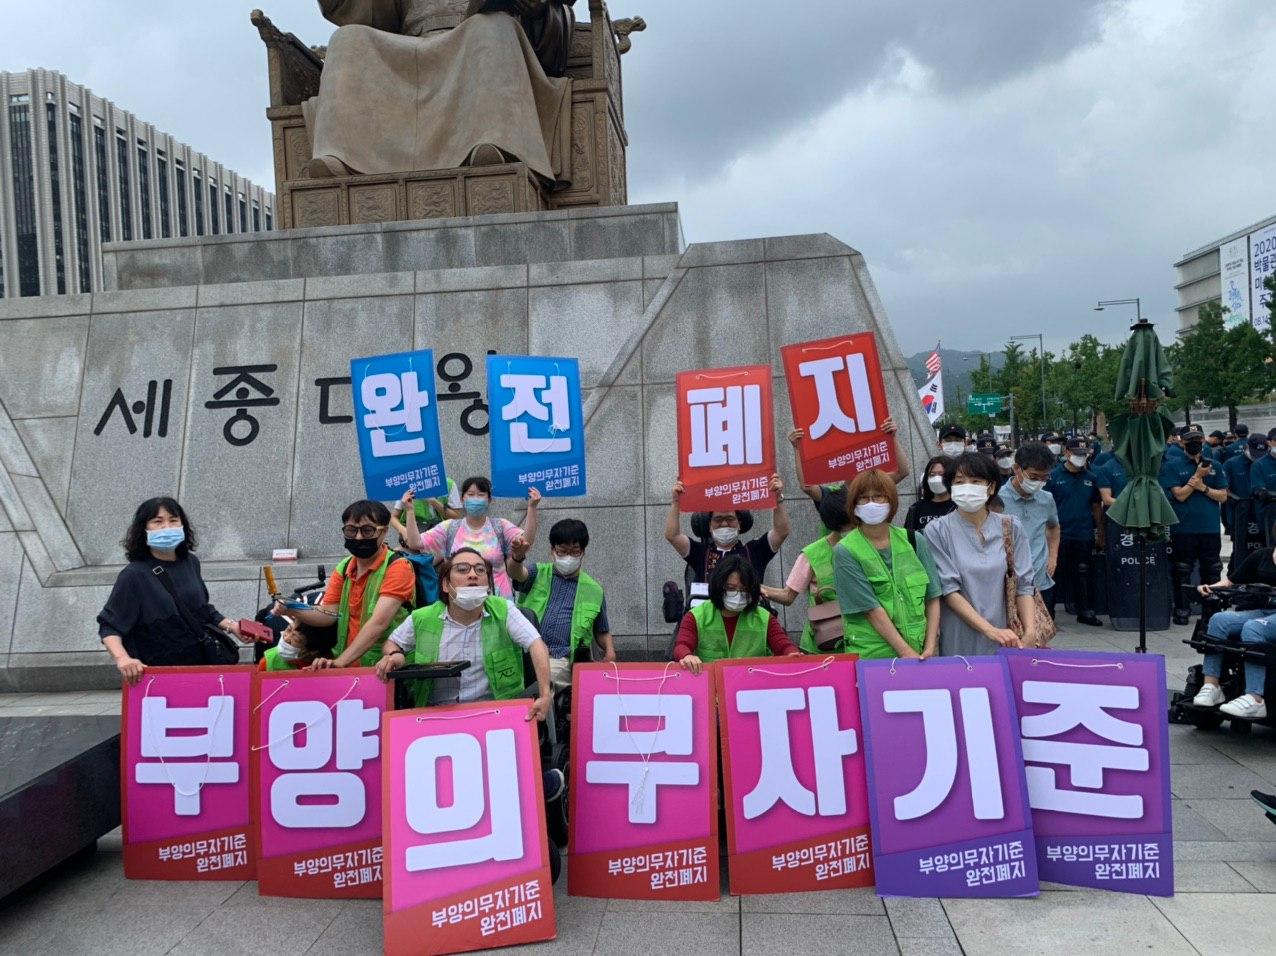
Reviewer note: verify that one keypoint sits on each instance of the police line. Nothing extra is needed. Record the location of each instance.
(946, 777)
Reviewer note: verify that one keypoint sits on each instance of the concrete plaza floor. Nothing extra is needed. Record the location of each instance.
(1225, 854)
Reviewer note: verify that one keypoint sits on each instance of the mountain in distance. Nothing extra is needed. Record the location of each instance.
(958, 367)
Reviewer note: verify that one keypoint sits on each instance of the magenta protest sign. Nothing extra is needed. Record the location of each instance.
(316, 742)
(945, 778)
(1096, 749)
(184, 774)
(793, 766)
(466, 855)
(644, 789)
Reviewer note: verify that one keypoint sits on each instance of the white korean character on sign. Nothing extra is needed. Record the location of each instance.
(824, 373)
(550, 405)
(726, 426)
(216, 720)
(940, 735)
(675, 735)
(425, 760)
(1082, 705)
(304, 755)
(778, 783)
(396, 402)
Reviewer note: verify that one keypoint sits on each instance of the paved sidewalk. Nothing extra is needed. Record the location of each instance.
(1224, 848)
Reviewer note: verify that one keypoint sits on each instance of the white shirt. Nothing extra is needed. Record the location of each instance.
(462, 642)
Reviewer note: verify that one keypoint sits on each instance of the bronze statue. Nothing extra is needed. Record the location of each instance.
(436, 84)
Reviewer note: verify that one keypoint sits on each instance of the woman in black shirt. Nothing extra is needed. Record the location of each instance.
(933, 501)
(140, 625)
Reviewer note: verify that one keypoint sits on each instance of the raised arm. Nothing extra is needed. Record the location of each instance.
(673, 524)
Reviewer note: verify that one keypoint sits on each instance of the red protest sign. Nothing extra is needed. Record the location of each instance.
(839, 399)
(726, 439)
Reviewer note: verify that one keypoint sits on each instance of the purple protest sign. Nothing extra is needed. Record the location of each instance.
(947, 795)
(1097, 753)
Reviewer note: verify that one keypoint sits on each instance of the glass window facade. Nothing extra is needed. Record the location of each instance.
(55, 191)
(197, 193)
(103, 184)
(179, 174)
(213, 215)
(126, 206)
(256, 216)
(80, 186)
(269, 224)
(161, 185)
(243, 214)
(230, 212)
(144, 190)
(24, 195)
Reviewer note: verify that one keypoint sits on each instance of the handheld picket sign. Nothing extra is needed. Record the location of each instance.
(726, 439)
(184, 774)
(536, 434)
(396, 416)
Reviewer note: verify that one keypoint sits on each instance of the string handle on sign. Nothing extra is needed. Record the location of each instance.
(208, 757)
(637, 802)
(637, 680)
(282, 685)
(721, 375)
(465, 716)
(306, 727)
(821, 666)
(826, 348)
(969, 666)
(1119, 665)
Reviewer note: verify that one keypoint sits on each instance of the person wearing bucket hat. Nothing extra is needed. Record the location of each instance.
(1196, 487)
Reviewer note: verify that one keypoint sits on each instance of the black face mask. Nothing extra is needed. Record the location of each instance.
(362, 547)
(1193, 447)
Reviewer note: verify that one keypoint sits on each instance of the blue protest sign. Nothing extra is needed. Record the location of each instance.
(397, 419)
(537, 425)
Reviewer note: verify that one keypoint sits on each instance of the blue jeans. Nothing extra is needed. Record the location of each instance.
(1254, 627)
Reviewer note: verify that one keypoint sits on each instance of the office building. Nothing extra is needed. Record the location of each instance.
(1230, 271)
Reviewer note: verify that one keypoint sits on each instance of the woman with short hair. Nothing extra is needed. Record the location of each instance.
(732, 623)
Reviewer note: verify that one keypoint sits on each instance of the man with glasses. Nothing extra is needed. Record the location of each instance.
(369, 593)
(569, 604)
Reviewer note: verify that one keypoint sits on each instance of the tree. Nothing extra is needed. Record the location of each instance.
(1219, 366)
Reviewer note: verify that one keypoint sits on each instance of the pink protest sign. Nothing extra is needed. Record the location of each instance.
(466, 855)
(945, 778)
(644, 793)
(316, 745)
(184, 774)
(793, 765)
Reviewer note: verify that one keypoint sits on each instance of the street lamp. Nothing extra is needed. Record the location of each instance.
(1041, 356)
(1138, 307)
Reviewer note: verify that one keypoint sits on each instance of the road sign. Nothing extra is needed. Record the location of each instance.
(984, 404)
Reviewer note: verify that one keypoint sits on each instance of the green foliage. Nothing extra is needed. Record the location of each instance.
(1221, 367)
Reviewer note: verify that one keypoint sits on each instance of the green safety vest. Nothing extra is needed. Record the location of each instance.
(585, 610)
(820, 555)
(900, 590)
(750, 633)
(425, 515)
(371, 592)
(502, 658)
(274, 662)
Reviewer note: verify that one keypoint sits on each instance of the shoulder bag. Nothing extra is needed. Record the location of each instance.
(215, 644)
(1043, 623)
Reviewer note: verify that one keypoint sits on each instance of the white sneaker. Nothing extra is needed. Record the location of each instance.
(1210, 695)
(1245, 706)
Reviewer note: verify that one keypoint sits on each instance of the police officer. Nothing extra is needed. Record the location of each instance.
(1196, 487)
(1052, 441)
(952, 441)
(1076, 493)
(1241, 511)
(1237, 447)
(1005, 464)
(1262, 484)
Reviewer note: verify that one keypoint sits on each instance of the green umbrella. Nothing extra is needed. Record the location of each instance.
(1138, 439)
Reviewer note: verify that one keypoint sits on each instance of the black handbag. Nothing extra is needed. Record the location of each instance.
(216, 644)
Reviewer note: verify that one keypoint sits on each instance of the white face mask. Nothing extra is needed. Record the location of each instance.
(1272, 452)
(1077, 461)
(289, 652)
(952, 448)
(735, 600)
(1055, 448)
(1030, 486)
(467, 599)
(725, 537)
(936, 484)
(566, 564)
(1005, 464)
(872, 512)
(970, 498)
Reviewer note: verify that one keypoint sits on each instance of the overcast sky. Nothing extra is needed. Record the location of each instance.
(1002, 164)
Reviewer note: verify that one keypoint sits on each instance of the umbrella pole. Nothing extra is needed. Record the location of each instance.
(1143, 594)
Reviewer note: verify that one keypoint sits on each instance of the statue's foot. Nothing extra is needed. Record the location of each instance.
(486, 154)
(326, 167)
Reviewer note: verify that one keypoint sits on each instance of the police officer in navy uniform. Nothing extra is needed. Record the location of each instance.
(1262, 485)
(1076, 493)
(1237, 448)
(1243, 522)
(1196, 487)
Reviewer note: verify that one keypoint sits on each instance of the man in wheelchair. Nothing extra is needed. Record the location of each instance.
(1254, 621)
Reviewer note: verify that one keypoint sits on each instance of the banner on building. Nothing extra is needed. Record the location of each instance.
(838, 397)
(1096, 750)
(1233, 275)
(184, 757)
(316, 744)
(1262, 264)
(644, 788)
(946, 781)
(466, 858)
(397, 420)
(726, 439)
(794, 774)
(536, 426)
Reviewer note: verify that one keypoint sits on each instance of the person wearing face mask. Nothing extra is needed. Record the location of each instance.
(491, 537)
(1262, 481)
(969, 547)
(143, 624)
(368, 593)
(1005, 465)
(1246, 518)
(731, 624)
(1238, 445)
(1025, 498)
(812, 572)
(888, 587)
(932, 501)
(952, 441)
(425, 513)
(1053, 442)
(1196, 488)
(470, 623)
(569, 604)
(1075, 489)
(300, 645)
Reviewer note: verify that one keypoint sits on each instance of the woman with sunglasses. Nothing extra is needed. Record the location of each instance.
(369, 593)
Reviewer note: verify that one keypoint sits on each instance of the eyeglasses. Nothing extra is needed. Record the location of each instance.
(362, 530)
(479, 569)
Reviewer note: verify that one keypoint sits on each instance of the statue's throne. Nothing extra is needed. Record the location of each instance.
(598, 144)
